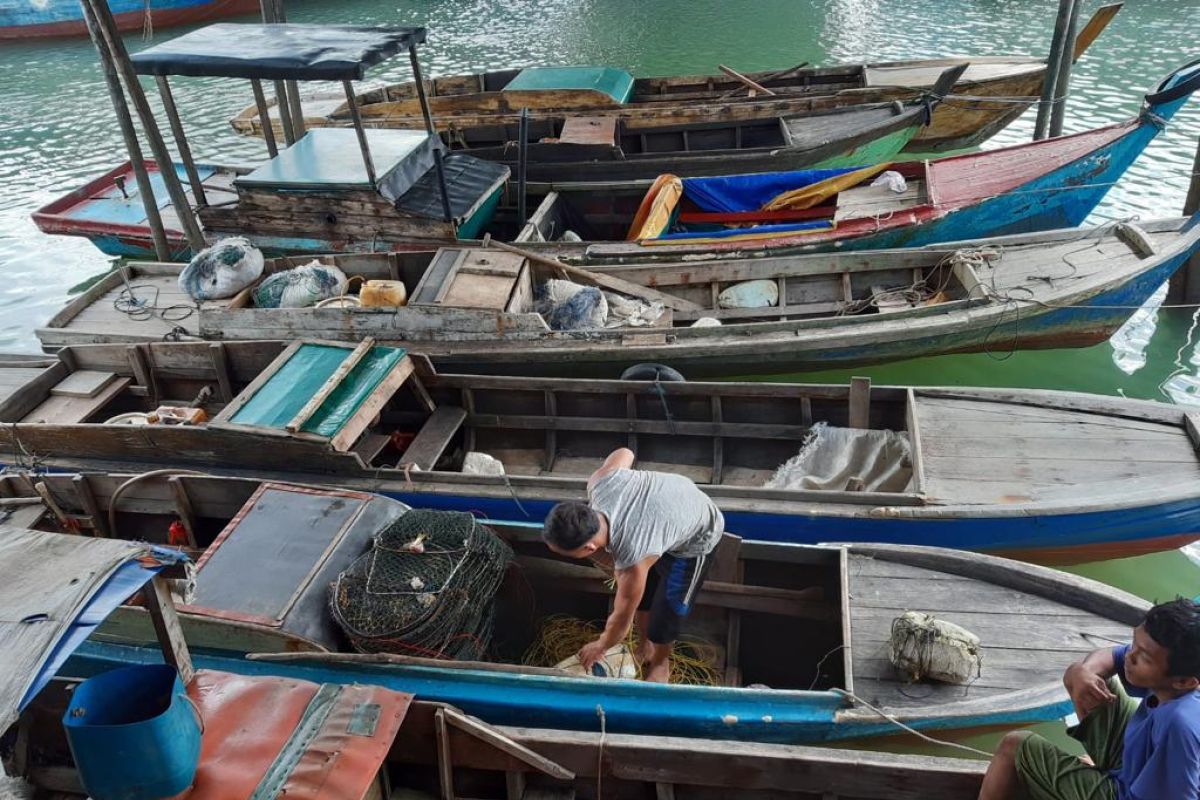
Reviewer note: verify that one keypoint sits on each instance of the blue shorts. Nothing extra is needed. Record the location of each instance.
(666, 594)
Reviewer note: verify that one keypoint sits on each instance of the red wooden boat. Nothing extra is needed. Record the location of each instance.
(26, 19)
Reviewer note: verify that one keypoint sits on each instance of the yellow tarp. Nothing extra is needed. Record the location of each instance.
(654, 214)
(817, 193)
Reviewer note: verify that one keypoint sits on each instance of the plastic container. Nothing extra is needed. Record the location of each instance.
(375, 294)
(134, 734)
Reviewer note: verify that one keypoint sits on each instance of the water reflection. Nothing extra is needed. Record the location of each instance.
(1129, 343)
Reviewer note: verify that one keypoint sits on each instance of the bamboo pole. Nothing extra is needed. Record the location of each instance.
(1065, 8)
(295, 115)
(166, 165)
(432, 129)
(359, 132)
(185, 151)
(1062, 86)
(162, 248)
(264, 116)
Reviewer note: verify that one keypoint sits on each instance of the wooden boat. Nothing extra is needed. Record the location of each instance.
(1042, 185)
(325, 190)
(484, 107)
(60, 18)
(836, 603)
(390, 738)
(1057, 289)
(985, 469)
(588, 149)
(321, 194)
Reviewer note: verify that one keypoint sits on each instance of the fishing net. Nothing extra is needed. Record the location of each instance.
(426, 587)
(922, 646)
(693, 661)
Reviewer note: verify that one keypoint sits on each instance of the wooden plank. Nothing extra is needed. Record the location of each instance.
(66, 410)
(551, 407)
(84, 383)
(167, 627)
(361, 419)
(718, 443)
(369, 446)
(220, 365)
(87, 499)
(351, 361)
(495, 738)
(601, 280)
(445, 763)
(844, 609)
(860, 403)
(912, 423)
(226, 414)
(750, 430)
(434, 437)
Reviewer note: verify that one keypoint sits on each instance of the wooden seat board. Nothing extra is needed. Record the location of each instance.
(434, 437)
(64, 410)
(1025, 639)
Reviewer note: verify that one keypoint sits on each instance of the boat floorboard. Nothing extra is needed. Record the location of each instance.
(170, 308)
(980, 452)
(1026, 640)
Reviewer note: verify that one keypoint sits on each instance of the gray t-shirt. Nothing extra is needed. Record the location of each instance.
(651, 513)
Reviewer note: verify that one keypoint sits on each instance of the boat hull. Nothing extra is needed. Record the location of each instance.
(59, 19)
(545, 701)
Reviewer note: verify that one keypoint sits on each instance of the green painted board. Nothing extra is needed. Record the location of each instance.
(278, 401)
(885, 148)
(330, 158)
(616, 83)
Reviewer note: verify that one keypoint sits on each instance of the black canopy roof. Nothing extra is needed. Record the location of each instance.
(278, 51)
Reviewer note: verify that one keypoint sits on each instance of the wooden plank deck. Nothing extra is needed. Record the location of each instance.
(1026, 640)
(980, 452)
(171, 308)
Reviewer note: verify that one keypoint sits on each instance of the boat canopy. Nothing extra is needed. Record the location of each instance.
(615, 83)
(327, 159)
(55, 589)
(277, 51)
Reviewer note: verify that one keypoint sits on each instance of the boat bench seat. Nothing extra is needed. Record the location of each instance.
(434, 437)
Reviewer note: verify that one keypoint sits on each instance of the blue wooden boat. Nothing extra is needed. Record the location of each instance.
(1050, 476)
(813, 623)
(30, 19)
(341, 740)
(1042, 185)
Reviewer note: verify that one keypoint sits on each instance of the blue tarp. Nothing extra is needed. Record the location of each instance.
(733, 193)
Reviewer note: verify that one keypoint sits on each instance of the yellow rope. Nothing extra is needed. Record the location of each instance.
(693, 661)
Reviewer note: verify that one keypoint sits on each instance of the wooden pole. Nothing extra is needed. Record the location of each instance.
(359, 131)
(1052, 61)
(293, 121)
(185, 151)
(432, 129)
(285, 114)
(1062, 86)
(1185, 283)
(522, 165)
(264, 116)
(162, 248)
(166, 165)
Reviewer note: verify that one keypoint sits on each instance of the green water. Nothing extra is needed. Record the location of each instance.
(56, 131)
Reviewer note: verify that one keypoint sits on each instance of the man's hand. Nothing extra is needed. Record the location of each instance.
(1087, 688)
(590, 653)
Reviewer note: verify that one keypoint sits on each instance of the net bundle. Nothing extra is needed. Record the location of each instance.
(426, 588)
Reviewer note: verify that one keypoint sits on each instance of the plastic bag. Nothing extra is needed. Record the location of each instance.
(922, 646)
(892, 180)
(300, 287)
(222, 270)
(617, 663)
(750, 294)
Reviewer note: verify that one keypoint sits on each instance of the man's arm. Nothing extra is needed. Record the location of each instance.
(1087, 680)
(631, 585)
(621, 458)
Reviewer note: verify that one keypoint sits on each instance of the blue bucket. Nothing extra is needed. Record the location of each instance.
(134, 734)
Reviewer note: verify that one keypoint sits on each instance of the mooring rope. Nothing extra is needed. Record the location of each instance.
(856, 699)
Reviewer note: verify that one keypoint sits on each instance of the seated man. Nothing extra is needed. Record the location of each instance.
(656, 530)
(1148, 750)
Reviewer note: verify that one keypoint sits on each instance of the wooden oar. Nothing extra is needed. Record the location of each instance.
(737, 76)
(1093, 29)
(774, 76)
(588, 278)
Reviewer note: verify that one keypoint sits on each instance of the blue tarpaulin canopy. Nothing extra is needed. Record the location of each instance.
(733, 193)
(55, 589)
(277, 51)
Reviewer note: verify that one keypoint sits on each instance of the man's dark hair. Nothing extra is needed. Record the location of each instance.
(570, 525)
(1176, 626)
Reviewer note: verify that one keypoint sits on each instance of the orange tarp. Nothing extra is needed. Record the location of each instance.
(248, 720)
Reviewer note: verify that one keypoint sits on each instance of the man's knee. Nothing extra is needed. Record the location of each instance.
(1009, 745)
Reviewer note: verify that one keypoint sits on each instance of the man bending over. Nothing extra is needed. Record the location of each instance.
(1137, 749)
(656, 530)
